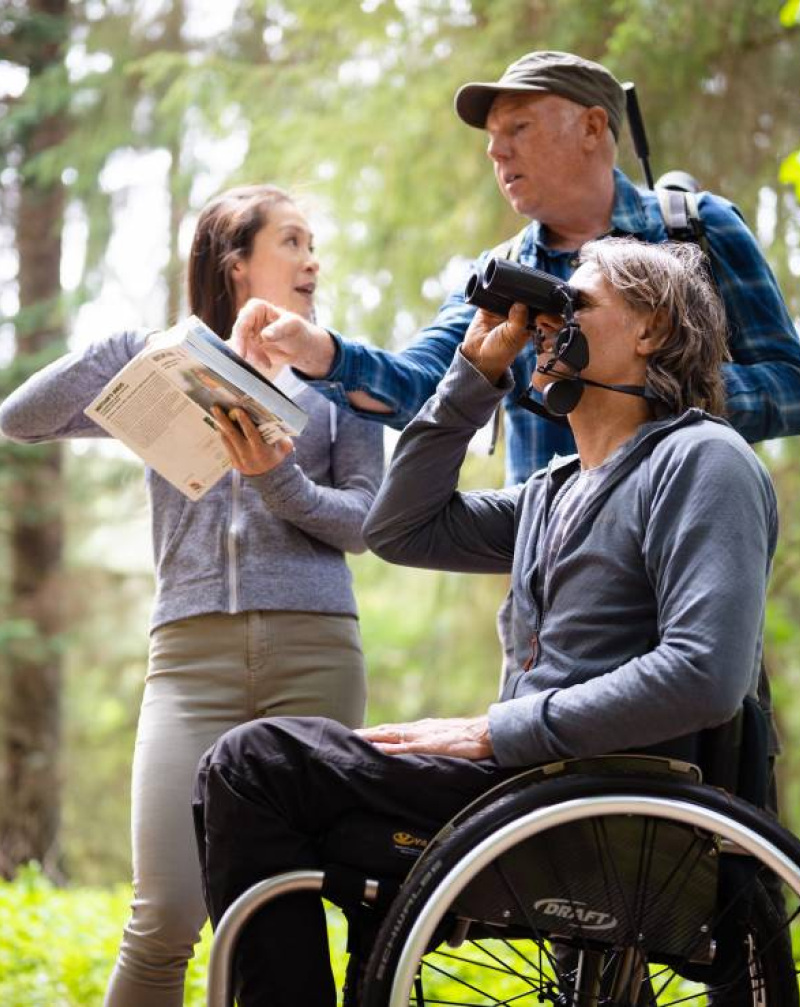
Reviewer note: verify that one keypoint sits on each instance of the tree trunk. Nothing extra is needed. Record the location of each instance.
(177, 183)
(31, 735)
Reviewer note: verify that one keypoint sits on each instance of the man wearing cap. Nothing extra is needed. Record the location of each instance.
(638, 597)
(553, 122)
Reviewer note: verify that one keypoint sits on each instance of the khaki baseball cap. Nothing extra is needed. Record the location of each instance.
(562, 73)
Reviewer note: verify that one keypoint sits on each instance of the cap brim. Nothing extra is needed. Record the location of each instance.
(473, 101)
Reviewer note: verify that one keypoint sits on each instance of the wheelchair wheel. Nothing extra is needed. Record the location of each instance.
(587, 892)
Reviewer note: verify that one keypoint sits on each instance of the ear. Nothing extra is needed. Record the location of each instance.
(595, 124)
(656, 330)
(239, 279)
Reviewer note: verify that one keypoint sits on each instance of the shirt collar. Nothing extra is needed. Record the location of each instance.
(632, 214)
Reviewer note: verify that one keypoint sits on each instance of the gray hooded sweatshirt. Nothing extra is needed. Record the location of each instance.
(271, 542)
(639, 618)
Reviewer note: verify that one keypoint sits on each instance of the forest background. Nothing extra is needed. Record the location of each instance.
(118, 119)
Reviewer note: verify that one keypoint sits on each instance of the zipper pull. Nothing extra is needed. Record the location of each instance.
(534, 654)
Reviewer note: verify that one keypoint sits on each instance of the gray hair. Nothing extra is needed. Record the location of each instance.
(673, 279)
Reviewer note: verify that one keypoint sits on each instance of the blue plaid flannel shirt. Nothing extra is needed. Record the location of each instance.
(762, 382)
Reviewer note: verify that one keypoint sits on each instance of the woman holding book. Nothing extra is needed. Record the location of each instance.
(254, 612)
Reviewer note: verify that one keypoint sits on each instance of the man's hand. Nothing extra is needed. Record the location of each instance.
(462, 737)
(246, 448)
(492, 345)
(269, 337)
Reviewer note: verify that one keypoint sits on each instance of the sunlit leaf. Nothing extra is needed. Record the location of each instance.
(790, 13)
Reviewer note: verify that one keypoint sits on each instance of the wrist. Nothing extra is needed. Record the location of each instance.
(322, 354)
(481, 735)
(492, 374)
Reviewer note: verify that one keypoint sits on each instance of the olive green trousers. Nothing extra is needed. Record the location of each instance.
(206, 675)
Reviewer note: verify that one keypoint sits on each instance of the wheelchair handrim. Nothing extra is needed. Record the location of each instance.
(564, 813)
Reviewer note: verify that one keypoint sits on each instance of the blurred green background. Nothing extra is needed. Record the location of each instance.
(117, 121)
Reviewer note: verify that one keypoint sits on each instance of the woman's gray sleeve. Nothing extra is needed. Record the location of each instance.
(333, 514)
(49, 405)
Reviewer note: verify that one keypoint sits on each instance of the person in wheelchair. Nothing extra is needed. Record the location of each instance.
(639, 572)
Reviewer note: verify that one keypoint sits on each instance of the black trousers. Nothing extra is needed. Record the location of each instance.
(266, 795)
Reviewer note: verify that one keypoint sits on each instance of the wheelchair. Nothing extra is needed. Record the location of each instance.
(631, 880)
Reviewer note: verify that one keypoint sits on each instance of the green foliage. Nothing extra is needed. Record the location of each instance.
(106, 609)
(430, 641)
(430, 638)
(28, 32)
(23, 639)
(783, 619)
(789, 173)
(58, 945)
(790, 13)
(381, 150)
(47, 95)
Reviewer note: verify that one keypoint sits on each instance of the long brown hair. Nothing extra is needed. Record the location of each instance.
(672, 279)
(224, 235)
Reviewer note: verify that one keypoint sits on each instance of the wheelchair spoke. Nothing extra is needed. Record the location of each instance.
(687, 866)
(500, 967)
(427, 1002)
(599, 828)
(783, 931)
(543, 949)
(492, 999)
(541, 952)
(504, 966)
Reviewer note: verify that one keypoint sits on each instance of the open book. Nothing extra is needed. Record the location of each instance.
(159, 405)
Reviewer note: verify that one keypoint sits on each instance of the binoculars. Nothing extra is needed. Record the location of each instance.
(504, 283)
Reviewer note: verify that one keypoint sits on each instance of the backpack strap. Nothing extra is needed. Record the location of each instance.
(682, 216)
(511, 248)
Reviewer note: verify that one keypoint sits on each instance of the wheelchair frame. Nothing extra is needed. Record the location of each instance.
(394, 971)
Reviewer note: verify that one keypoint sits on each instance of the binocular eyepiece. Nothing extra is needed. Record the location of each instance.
(503, 283)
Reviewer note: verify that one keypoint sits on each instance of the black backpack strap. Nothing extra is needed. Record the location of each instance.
(754, 766)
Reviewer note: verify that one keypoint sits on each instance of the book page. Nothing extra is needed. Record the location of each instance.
(207, 388)
(165, 426)
(160, 404)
